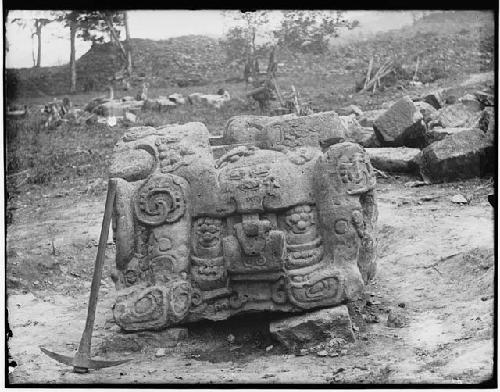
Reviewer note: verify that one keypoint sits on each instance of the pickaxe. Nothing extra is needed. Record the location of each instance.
(81, 362)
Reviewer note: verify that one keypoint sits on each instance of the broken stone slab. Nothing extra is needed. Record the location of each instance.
(401, 125)
(462, 155)
(436, 98)
(309, 329)
(369, 117)
(428, 111)
(394, 159)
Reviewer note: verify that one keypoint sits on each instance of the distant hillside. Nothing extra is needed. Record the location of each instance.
(444, 42)
(183, 60)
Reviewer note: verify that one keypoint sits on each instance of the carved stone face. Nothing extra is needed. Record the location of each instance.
(248, 185)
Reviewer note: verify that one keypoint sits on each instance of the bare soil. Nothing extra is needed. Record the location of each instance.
(436, 267)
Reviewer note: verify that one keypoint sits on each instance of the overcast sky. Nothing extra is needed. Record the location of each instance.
(159, 25)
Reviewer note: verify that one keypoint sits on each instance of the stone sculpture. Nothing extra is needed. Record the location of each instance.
(272, 229)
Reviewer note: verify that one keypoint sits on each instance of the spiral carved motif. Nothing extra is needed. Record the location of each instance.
(159, 200)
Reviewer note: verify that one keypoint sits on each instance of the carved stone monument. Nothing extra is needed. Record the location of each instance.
(288, 227)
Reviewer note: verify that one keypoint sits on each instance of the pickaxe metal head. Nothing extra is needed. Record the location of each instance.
(81, 364)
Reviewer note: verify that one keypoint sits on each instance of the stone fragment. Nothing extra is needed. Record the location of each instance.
(396, 318)
(131, 117)
(436, 98)
(485, 98)
(459, 199)
(428, 111)
(457, 115)
(309, 329)
(401, 125)
(461, 155)
(487, 120)
(394, 159)
(471, 102)
(161, 352)
(369, 117)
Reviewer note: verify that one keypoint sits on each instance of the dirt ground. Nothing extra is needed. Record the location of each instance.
(436, 267)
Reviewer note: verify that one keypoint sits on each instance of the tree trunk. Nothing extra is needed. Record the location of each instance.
(114, 36)
(72, 61)
(39, 35)
(129, 48)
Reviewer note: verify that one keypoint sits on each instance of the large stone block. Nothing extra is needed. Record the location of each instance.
(203, 238)
(394, 159)
(307, 330)
(401, 125)
(461, 155)
(457, 115)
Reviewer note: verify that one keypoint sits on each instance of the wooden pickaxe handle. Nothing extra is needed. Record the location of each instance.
(82, 358)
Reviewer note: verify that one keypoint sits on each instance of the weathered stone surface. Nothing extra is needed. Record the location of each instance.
(436, 98)
(436, 134)
(312, 328)
(462, 155)
(244, 129)
(428, 111)
(401, 125)
(457, 115)
(369, 117)
(256, 229)
(394, 159)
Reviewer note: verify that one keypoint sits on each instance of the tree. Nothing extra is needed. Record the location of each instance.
(91, 26)
(310, 31)
(36, 25)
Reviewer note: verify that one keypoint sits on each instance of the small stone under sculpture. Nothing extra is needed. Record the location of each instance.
(279, 229)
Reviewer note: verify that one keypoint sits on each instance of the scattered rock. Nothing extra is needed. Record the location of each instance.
(131, 117)
(487, 120)
(401, 125)
(485, 98)
(396, 160)
(322, 353)
(161, 352)
(471, 102)
(436, 99)
(462, 155)
(231, 338)
(314, 327)
(457, 115)
(269, 348)
(396, 319)
(459, 199)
